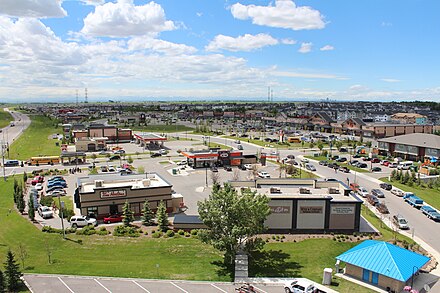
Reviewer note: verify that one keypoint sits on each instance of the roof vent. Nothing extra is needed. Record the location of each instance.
(99, 183)
(146, 182)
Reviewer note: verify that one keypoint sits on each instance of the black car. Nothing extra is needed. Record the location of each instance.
(376, 169)
(343, 150)
(356, 156)
(228, 168)
(377, 192)
(335, 157)
(362, 165)
(344, 169)
(292, 157)
(115, 157)
(386, 186)
(323, 163)
(242, 167)
(354, 162)
(342, 159)
(366, 159)
(214, 169)
(155, 155)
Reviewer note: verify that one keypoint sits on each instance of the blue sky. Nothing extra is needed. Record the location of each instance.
(217, 49)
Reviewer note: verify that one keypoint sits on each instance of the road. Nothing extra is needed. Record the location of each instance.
(21, 121)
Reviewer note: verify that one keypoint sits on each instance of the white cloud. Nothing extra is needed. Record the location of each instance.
(124, 19)
(285, 14)
(327, 48)
(307, 75)
(161, 46)
(288, 42)
(32, 8)
(246, 42)
(199, 14)
(305, 48)
(358, 88)
(390, 80)
(93, 2)
(385, 23)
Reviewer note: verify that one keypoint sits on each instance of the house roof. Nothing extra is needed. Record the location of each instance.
(385, 259)
(326, 117)
(415, 139)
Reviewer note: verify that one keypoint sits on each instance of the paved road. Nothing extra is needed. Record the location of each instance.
(76, 284)
(21, 121)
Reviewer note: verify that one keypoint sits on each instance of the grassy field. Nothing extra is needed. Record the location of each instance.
(431, 196)
(162, 128)
(36, 139)
(5, 118)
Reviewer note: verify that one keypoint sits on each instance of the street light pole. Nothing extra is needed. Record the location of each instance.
(61, 216)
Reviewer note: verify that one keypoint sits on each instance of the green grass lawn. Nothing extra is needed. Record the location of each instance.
(431, 196)
(301, 173)
(35, 139)
(5, 118)
(162, 128)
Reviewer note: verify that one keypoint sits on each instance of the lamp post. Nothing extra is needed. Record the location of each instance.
(61, 215)
(206, 173)
(412, 277)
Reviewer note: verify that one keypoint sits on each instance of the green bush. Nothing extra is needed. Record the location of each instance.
(46, 201)
(194, 232)
(67, 214)
(187, 234)
(156, 234)
(102, 231)
(127, 231)
(169, 233)
(181, 232)
(87, 230)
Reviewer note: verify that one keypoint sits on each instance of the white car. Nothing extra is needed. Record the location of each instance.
(397, 192)
(299, 286)
(56, 192)
(39, 186)
(82, 221)
(182, 163)
(162, 152)
(45, 212)
(263, 174)
(310, 167)
(304, 160)
(362, 191)
(248, 166)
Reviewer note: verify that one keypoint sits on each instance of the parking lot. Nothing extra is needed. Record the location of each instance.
(77, 284)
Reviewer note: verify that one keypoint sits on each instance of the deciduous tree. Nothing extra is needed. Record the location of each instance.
(233, 219)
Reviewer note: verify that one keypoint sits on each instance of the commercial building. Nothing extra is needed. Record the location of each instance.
(415, 146)
(410, 118)
(382, 264)
(307, 205)
(103, 195)
(149, 140)
(217, 157)
(111, 132)
(90, 144)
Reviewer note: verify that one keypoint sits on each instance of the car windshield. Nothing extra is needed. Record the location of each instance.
(402, 221)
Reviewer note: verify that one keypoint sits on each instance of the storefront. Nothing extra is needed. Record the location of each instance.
(103, 195)
(216, 157)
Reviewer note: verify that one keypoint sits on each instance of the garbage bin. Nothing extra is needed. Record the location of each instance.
(327, 277)
(174, 171)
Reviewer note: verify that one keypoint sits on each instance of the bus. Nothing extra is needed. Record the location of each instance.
(49, 160)
(294, 139)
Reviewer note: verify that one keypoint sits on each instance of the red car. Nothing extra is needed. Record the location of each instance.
(113, 219)
(37, 179)
(386, 163)
(375, 160)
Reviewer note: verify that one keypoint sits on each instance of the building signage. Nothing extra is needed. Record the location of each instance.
(310, 210)
(280, 210)
(224, 155)
(341, 210)
(113, 193)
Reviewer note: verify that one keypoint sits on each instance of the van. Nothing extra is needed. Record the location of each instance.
(400, 222)
(404, 165)
(12, 163)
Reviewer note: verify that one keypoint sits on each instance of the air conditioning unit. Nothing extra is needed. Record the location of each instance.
(146, 182)
(99, 183)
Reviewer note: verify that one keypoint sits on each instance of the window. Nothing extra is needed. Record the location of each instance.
(92, 211)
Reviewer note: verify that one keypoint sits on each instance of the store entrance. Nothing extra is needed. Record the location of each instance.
(113, 209)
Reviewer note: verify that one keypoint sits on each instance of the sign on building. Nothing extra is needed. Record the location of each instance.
(342, 210)
(113, 193)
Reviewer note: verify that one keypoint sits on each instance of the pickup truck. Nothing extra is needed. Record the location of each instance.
(413, 200)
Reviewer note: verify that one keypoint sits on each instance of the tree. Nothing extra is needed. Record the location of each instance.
(281, 168)
(31, 208)
(15, 191)
(311, 145)
(147, 214)
(2, 283)
(130, 160)
(162, 217)
(141, 170)
(22, 254)
(320, 147)
(25, 177)
(127, 214)
(232, 219)
(94, 156)
(20, 199)
(12, 272)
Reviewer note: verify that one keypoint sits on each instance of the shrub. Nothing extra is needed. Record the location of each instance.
(102, 231)
(127, 231)
(87, 230)
(146, 233)
(156, 234)
(169, 233)
(67, 214)
(181, 232)
(194, 232)
(187, 234)
(46, 201)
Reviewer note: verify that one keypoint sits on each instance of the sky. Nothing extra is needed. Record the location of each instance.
(129, 50)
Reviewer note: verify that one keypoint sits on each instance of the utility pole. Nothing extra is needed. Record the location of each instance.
(3, 160)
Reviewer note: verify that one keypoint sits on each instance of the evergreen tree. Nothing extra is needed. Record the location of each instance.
(413, 176)
(20, 199)
(147, 214)
(394, 174)
(130, 160)
(31, 209)
(25, 177)
(15, 191)
(2, 283)
(12, 272)
(127, 214)
(406, 177)
(162, 217)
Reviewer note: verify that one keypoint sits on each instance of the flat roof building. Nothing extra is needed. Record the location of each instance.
(217, 157)
(103, 195)
(415, 146)
(307, 205)
(149, 140)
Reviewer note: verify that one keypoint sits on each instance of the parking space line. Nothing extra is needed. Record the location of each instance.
(102, 286)
(218, 288)
(179, 287)
(68, 288)
(140, 286)
(259, 289)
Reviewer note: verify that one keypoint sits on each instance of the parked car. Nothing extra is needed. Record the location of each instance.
(376, 169)
(113, 219)
(57, 183)
(386, 164)
(104, 169)
(354, 162)
(354, 186)
(37, 179)
(362, 165)
(39, 186)
(397, 192)
(119, 152)
(248, 166)
(382, 208)
(386, 186)
(323, 163)
(400, 222)
(82, 221)
(377, 192)
(183, 162)
(292, 157)
(56, 192)
(155, 155)
(299, 286)
(228, 168)
(341, 159)
(383, 162)
(114, 158)
(103, 152)
(163, 151)
(53, 188)
(375, 160)
(392, 165)
(362, 191)
(12, 163)
(310, 167)
(240, 147)
(343, 150)
(367, 159)
(344, 169)
(45, 212)
(304, 160)
(372, 199)
(263, 174)
(55, 178)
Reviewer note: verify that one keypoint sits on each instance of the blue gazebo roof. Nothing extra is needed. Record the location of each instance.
(385, 259)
